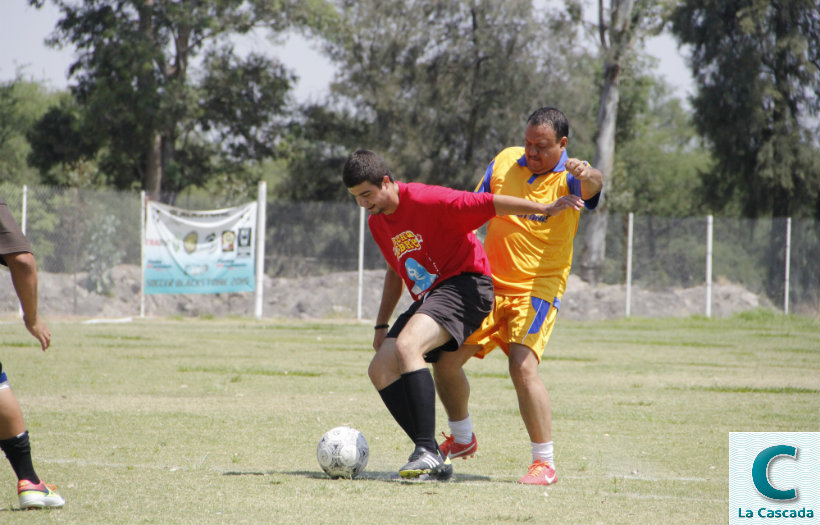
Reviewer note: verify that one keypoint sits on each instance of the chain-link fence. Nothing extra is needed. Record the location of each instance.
(81, 236)
(672, 252)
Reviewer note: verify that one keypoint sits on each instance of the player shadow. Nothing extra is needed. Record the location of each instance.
(249, 472)
(388, 476)
(20, 509)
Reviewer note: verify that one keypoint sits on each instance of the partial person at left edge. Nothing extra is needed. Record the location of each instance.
(16, 254)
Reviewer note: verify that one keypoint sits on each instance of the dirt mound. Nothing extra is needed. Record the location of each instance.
(336, 296)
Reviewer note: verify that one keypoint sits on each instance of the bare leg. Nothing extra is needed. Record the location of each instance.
(406, 353)
(11, 417)
(533, 398)
(451, 382)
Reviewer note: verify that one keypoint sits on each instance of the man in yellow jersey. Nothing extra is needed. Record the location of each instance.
(530, 257)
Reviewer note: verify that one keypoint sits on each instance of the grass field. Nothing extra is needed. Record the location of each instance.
(212, 421)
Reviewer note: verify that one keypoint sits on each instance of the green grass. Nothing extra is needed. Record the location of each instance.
(212, 421)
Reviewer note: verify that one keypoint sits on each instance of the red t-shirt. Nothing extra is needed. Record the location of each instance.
(429, 238)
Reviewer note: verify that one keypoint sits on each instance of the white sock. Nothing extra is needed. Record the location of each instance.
(462, 430)
(543, 452)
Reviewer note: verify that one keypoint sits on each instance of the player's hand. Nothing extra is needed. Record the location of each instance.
(378, 338)
(564, 203)
(578, 168)
(37, 327)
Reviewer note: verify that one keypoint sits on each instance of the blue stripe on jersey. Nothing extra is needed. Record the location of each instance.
(561, 166)
(574, 185)
(3, 377)
(485, 186)
(575, 189)
(542, 308)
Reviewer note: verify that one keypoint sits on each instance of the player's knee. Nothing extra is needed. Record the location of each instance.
(407, 350)
(376, 371)
(522, 372)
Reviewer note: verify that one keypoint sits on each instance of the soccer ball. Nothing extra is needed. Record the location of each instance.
(342, 452)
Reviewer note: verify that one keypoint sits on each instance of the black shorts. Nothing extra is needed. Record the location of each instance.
(459, 305)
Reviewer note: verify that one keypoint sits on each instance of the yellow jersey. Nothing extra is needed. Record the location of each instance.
(531, 255)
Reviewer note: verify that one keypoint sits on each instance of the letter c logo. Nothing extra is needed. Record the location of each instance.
(760, 473)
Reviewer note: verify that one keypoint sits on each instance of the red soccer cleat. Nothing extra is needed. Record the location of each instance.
(539, 473)
(449, 448)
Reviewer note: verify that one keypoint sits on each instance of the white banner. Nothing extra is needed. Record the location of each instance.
(189, 251)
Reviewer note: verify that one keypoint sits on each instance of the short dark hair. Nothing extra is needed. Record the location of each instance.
(365, 166)
(552, 117)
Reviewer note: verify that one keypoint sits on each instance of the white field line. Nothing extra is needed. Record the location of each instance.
(631, 477)
(106, 320)
(637, 495)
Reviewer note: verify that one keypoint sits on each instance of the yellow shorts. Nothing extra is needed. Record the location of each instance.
(524, 320)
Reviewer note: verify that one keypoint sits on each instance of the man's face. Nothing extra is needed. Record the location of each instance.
(542, 150)
(375, 199)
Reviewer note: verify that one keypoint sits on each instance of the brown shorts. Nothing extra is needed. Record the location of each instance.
(459, 304)
(12, 239)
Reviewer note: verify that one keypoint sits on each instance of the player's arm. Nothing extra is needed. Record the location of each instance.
(391, 293)
(592, 180)
(24, 278)
(509, 205)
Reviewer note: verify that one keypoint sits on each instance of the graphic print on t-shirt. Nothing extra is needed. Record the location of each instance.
(404, 242)
(420, 276)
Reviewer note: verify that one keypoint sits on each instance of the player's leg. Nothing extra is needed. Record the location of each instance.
(454, 391)
(421, 334)
(536, 411)
(11, 417)
(454, 388)
(400, 374)
(453, 311)
(533, 398)
(451, 382)
(530, 330)
(14, 441)
(385, 376)
(386, 368)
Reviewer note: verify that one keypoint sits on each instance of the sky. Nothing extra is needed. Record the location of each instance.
(23, 30)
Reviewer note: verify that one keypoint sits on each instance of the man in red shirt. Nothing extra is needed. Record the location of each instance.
(426, 236)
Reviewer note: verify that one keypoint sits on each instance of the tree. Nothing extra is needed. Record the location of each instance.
(22, 103)
(160, 124)
(442, 86)
(757, 68)
(619, 27)
(61, 150)
(658, 153)
(316, 148)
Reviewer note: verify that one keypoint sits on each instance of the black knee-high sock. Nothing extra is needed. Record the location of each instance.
(18, 451)
(421, 397)
(396, 402)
